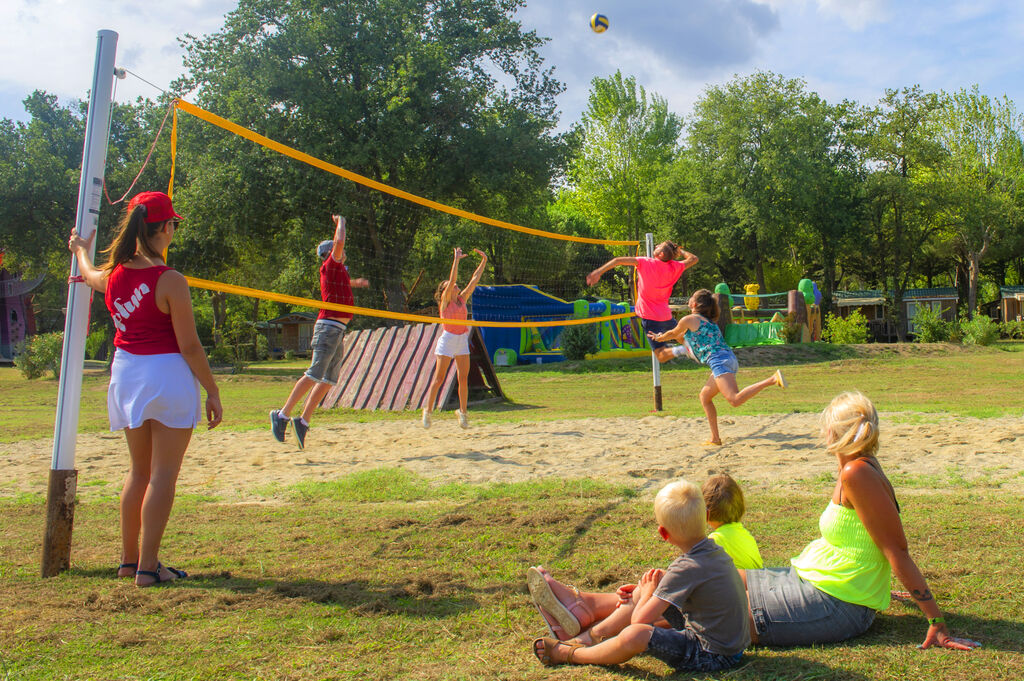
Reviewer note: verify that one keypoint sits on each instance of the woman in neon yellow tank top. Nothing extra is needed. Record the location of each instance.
(837, 583)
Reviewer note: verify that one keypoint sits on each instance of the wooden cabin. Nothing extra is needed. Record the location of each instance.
(871, 304)
(292, 331)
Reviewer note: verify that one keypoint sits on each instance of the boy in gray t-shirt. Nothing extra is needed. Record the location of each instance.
(700, 596)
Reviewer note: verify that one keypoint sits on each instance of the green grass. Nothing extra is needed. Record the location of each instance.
(383, 575)
(899, 378)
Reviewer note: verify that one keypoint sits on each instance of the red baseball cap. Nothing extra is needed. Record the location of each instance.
(157, 204)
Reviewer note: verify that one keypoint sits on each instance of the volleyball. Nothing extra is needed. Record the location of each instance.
(599, 23)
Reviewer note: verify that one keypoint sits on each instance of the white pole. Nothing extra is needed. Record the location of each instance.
(61, 496)
(655, 362)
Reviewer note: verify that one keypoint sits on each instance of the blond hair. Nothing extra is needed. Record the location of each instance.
(849, 425)
(724, 499)
(679, 508)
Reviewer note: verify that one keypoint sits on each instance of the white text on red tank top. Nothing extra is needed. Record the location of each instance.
(124, 310)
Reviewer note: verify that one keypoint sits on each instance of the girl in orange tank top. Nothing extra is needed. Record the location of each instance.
(454, 340)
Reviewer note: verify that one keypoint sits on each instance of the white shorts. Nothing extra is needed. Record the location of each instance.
(452, 344)
(159, 387)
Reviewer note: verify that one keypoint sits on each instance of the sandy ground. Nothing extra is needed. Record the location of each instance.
(758, 450)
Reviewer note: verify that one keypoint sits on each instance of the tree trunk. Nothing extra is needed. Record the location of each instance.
(219, 301)
(829, 270)
(759, 266)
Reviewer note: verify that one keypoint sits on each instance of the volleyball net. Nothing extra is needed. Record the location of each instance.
(403, 274)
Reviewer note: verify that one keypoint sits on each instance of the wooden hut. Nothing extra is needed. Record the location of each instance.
(292, 331)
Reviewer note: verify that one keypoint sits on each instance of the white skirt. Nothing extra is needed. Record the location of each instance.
(159, 387)
(452, 344)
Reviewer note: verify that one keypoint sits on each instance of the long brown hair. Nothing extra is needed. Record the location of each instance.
(705, 305)
(133, 235)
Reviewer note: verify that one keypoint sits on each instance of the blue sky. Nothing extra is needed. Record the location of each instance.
(851, 49)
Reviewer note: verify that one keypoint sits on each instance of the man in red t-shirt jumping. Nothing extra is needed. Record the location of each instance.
(655, 278)
(335, 287)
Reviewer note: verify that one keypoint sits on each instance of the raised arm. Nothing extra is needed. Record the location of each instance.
(94, 278)
(338, 252)
(453, 278)
(173, 291)
(872, 500)
(477, 273)
(688, 259)
(595, 276)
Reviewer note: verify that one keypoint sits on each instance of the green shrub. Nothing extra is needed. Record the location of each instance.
(262, 348)
(289, 355)
(956, 332)
(931, 327)
(851, 330)
(1013, 329)
(94, 343)
(39, 354)
(792, 332)
(578, 341)
(979, 331)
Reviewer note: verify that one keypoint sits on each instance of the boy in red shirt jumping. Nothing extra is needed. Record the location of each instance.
(328, 349)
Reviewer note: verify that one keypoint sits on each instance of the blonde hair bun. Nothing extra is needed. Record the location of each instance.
(849, 425)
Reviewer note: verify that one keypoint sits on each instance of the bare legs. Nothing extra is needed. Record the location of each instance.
(302, 386)
(620, 640)
(726, 385)
(440, 371)
(147, 497)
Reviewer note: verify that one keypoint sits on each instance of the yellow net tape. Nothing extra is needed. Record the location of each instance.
(373, 184)
(386, 314)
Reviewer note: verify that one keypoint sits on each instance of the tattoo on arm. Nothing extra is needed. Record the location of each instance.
(925, 595)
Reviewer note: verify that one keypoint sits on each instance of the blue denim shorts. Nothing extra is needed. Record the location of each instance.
(681, 649)
(723, 362)
(328, 351)
(790, 611)
(655, 326)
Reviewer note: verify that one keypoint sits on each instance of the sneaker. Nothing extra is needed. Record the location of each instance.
(426, 418)
(278, 424)
(300, 431)
(463, 421)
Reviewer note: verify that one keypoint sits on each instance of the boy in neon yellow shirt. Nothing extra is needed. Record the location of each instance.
(724, 501)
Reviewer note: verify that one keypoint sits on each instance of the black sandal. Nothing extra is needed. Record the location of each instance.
(122, 566)
(178, 574)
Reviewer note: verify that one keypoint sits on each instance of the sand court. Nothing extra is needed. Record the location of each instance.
(763, 449)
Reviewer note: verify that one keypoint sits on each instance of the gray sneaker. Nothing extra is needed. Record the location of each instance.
(278, 424)
(300, 429)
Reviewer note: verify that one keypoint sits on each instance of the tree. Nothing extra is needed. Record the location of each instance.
(40, 167)
(626, 142)
(902, 200)
(981, 175)
(745, 136)
(406, 92)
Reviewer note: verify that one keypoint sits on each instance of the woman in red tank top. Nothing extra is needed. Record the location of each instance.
(454, 340)
(158, 361)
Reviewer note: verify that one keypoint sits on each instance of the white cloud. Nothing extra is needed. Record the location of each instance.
(52, 44)
(857, 14)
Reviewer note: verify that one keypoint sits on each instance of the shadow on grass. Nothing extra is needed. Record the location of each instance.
(420, 596)
(994, 634)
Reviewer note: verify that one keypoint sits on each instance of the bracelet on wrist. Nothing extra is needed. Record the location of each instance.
(932, 621)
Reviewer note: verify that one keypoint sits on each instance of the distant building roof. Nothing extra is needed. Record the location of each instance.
(289, 318)
(874, 296)
(1011, 291)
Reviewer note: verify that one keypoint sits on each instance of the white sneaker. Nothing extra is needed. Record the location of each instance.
(463, 421)
(426, 418)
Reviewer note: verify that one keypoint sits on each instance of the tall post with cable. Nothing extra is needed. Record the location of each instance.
(63, 484)
(655, 362)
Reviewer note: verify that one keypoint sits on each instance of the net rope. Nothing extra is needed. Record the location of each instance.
(295, 154)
